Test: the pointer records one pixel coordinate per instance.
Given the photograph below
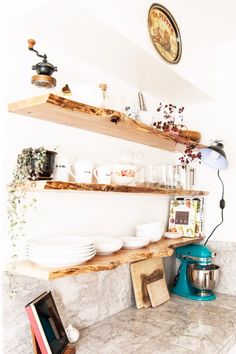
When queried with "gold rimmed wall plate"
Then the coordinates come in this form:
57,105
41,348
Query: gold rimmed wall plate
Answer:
164,33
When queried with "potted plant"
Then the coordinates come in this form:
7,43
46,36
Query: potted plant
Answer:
32,164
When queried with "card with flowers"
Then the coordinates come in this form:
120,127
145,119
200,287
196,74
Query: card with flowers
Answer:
182,217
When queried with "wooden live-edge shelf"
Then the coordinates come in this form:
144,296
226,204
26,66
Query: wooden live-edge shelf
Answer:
62,110
69,186
163,248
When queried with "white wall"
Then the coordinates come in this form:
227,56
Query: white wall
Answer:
69,213
112,214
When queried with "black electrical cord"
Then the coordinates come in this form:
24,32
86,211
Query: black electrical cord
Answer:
222,206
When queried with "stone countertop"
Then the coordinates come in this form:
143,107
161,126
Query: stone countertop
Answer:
178,326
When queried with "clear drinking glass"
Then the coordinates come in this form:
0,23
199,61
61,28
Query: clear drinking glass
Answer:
179,177
151,175
166,176
127,157
140,177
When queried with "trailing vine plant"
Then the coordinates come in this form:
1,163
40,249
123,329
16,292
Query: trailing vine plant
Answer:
29,165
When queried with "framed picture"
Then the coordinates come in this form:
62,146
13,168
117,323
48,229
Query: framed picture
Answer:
182,217
199,219
46,324
164,33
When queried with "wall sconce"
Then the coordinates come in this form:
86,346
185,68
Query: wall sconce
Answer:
215,157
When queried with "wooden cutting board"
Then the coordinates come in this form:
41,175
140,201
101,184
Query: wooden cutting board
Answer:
149,283
158,292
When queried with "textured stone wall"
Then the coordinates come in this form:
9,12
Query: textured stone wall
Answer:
81,300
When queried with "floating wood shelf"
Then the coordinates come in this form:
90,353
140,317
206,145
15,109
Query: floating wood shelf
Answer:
163,248
61,110
68,186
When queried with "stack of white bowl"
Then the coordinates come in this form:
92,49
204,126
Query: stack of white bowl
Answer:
61,251
152,231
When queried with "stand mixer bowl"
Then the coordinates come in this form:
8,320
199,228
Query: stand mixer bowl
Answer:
203,278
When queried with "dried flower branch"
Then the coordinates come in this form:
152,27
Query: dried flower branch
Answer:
190,155
170,113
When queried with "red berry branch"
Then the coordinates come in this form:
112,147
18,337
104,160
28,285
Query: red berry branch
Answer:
168,123
171,113
190,155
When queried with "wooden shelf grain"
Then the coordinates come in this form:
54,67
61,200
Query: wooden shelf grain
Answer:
163,248
69,186
62,110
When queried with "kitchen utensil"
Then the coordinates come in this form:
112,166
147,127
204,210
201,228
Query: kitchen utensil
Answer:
204,279
158,292
61,169
152,230
44,69
142,105
196,276
132,243
172,234
103,174
60,262
107,245
83,171
123,174
143,273
60,242
60,251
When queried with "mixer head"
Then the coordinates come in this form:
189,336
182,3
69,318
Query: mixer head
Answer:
195,253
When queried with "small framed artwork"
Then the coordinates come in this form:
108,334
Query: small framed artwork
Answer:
182,217
164,33
199,219
49,335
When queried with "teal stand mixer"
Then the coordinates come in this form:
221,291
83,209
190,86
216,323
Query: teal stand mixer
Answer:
197,276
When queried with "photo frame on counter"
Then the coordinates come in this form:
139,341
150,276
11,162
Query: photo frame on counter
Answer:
182,217
199,218
49,335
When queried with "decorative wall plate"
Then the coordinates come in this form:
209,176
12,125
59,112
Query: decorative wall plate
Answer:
164,33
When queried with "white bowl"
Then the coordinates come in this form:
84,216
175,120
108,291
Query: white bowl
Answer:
123,174
132,243
151,237
172,235
107,245
152,230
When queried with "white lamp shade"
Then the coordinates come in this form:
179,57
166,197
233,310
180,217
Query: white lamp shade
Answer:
214,156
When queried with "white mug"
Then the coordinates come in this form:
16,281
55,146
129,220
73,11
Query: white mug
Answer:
61,168
103,174
83,171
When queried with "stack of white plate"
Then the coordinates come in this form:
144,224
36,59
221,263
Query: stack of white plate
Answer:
61,251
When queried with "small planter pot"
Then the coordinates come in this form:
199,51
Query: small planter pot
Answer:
47,167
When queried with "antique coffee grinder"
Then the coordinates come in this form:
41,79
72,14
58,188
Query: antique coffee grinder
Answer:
197,276
44,70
